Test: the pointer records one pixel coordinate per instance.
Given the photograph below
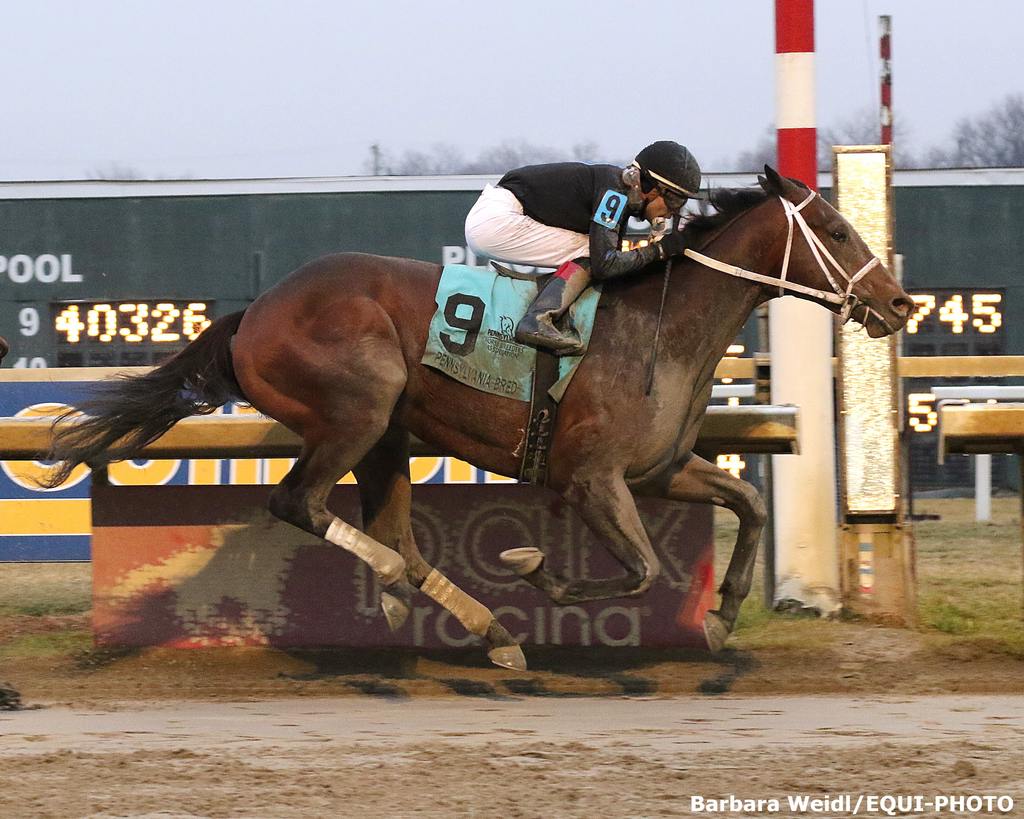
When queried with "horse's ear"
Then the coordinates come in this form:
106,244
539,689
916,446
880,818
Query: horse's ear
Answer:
764,184
772,183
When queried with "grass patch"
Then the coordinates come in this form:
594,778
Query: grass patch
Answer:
969,583
39,589
943,616
969,575
43,608
51,644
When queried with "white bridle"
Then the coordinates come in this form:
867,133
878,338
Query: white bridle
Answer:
846,297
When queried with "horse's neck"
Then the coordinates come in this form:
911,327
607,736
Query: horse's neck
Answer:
712,307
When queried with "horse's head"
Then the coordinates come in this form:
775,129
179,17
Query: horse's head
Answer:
827,254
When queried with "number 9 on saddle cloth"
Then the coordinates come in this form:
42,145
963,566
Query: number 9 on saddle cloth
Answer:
472,334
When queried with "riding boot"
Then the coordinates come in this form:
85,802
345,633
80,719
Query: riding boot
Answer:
538,327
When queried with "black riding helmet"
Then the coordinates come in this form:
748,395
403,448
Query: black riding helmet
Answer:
671,167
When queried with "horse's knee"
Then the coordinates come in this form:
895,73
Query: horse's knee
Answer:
758,508
750,506
287,505
651,570
279,503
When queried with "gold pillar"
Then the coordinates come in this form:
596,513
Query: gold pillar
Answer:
877,566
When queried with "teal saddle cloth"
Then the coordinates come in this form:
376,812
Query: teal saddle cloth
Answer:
472,333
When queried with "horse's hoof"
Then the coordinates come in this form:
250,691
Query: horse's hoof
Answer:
395,609
508,657
523,561
716,632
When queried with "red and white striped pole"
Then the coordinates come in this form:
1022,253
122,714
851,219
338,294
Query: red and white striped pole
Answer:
885,52
800,336
794,90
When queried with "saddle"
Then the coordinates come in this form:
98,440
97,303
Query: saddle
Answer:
508,272
471,339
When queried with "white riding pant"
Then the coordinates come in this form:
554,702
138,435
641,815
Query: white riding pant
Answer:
497,228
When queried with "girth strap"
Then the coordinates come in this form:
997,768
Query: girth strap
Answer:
541,426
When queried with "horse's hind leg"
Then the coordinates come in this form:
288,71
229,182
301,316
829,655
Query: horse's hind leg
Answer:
607,507
386,493
301,499
699,481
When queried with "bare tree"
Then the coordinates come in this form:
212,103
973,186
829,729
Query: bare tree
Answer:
446,159
514,155
860,128
588,152
441,159
754,159
993,140
115,171
863,128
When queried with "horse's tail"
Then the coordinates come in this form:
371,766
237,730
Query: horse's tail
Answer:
125,414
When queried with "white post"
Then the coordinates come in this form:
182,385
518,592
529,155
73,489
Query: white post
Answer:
983,488
806,545
800,337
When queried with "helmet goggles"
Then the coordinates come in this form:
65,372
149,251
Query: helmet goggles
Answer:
673,201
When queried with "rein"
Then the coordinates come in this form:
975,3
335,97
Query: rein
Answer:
846,297
657,329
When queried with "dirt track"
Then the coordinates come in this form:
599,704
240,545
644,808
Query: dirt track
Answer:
838,658
795,706
500,756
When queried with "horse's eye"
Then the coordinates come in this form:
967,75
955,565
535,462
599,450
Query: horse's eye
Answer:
839,235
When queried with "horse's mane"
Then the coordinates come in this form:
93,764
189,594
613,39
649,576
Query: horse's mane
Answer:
728,204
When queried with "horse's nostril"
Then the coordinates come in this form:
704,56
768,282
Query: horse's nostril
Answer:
903,306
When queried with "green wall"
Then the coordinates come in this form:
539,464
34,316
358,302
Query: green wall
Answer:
230,247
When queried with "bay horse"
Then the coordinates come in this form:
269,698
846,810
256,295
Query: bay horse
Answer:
333,352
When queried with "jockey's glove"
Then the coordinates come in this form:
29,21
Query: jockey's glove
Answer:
673,245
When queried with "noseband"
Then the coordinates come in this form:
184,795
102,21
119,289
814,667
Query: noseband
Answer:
842,296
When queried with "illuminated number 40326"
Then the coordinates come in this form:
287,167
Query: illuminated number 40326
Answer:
132,322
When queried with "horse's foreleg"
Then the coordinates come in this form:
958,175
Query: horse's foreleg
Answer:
386,493
607,507
698,481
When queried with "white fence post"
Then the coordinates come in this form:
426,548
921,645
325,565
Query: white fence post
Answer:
983,488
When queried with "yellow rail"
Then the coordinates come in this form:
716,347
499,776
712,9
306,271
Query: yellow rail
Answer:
981,428
947,366
726,429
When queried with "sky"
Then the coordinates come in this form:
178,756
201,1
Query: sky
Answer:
226,89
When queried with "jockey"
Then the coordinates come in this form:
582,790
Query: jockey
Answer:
572,216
